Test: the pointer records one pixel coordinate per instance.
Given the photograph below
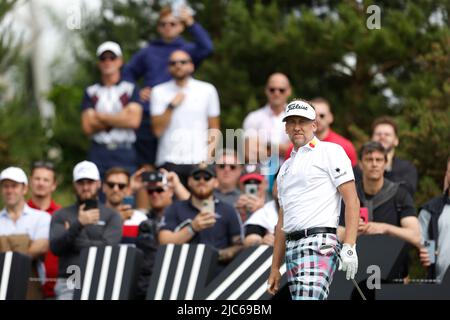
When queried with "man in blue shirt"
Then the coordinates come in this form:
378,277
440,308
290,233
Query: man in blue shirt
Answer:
151,64
203,219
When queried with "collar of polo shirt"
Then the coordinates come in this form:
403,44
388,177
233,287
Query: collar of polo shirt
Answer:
311,145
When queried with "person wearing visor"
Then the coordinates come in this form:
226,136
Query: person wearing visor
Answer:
311,185
202,218
111,111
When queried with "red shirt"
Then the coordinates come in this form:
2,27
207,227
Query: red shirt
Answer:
51,261
338,139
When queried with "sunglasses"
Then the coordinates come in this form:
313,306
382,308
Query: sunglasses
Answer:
43,164
157,190
173,63
111,185
163,24
199,176
107,57
223,166
281,90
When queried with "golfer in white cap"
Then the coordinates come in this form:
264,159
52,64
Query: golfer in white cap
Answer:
311,185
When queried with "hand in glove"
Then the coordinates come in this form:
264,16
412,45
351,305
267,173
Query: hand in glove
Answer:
348,260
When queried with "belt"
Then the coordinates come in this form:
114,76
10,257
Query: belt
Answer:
297,235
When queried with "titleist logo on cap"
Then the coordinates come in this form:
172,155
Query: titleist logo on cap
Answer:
297,106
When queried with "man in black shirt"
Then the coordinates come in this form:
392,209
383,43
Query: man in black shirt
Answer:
385,131
390,207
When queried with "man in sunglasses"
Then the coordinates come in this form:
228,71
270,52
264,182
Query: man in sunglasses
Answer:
266,122
228,172
324,132
85,224
151,61
185,117
111,110
203,219
161,190
117,188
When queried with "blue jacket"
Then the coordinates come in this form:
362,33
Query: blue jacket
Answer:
151,61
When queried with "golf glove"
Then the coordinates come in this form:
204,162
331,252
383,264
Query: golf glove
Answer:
348,260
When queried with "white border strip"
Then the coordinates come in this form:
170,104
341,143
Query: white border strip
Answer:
89,273
164,271
195,271
104,273
263,289
119,272
251,280
5,275
236,273
179,272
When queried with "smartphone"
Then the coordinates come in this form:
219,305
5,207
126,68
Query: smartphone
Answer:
128,200
251,189
431,248
208,206
364,214
90,204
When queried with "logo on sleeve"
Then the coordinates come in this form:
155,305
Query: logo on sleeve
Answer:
338,173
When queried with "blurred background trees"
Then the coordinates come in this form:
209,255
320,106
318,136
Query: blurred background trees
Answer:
325,47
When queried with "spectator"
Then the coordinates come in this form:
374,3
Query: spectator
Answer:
111,112
253,191
390,207
22,228
385,131
160,196
434,217
266,122
260,227
151,63
325,133
85,224
228,170
183,110
203,219
116,188
43,184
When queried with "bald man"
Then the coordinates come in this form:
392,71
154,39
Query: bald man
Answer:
266,123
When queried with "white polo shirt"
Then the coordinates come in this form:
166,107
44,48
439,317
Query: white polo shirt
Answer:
307,185
34,223
266,217
185,140
265,124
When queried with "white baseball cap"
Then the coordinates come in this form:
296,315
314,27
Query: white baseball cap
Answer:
299,108
109,46
15,174
86,170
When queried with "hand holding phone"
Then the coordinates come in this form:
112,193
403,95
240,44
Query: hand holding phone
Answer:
364,214
430,245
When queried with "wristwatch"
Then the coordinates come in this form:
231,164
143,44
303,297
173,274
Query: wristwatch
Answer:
170,106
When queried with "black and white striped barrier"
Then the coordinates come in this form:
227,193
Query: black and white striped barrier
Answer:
187,272
109,273
15,269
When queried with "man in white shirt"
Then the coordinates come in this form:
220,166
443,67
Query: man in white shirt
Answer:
267,122
311,185
183,109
